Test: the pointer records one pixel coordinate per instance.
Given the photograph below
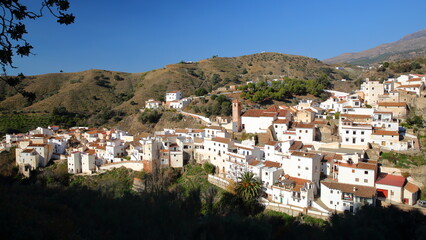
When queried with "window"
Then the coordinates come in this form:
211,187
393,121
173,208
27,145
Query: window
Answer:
365,172
331,191
266,173
354,132
306,168
306,131
362,139
362,132
391,193
353,170
356,179
331,202
365,180
298,167
347,131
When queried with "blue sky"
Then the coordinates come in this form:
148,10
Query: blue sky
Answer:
139,35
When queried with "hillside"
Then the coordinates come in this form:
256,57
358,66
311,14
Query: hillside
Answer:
410,46
93,91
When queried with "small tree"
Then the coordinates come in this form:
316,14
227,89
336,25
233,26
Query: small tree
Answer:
248,186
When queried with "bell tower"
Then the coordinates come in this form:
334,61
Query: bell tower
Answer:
236,115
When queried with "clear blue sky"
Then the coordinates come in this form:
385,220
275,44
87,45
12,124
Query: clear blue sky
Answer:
140,35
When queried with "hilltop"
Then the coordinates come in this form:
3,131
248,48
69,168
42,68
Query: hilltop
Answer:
410,46
98,92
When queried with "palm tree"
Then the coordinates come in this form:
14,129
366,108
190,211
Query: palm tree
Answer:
248,186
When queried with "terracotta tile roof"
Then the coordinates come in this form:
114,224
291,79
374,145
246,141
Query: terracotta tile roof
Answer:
269,114
281,121
272,143
283,113
174,91
303,125
38,135
320,122
391,180
409,86
360,165
296,146
272,108
253,113
28,150
222,140
304,154
90,151
414,80
387,133
254,162
411,187
214,128
392,104
360,191
198,140
271,164
37,145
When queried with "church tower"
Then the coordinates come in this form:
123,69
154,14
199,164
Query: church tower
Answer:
236,116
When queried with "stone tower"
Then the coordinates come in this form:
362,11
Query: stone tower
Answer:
236,116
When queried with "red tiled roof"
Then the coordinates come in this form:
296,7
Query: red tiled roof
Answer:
222,140
272,164
411,187
296,145
281,121
387,133
303,125
357,190
408,86
391,180
253,113
304,154
272,143
392,104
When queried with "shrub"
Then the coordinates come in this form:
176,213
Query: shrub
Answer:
150,116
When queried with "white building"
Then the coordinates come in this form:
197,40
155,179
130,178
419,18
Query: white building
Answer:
173,96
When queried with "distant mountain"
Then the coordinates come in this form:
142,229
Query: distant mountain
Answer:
410,46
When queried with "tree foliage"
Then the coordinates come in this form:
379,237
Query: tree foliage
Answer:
248,186
150,116
13,35
280,90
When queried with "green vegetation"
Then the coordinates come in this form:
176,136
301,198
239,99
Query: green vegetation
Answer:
150,116
20,122
172,205
413,122
218,105
115,183
286,89
403,160
201,92
248,187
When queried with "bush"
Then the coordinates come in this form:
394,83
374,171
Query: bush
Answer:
150,116
201,92
209,168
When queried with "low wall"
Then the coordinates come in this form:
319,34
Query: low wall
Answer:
134,165
217,181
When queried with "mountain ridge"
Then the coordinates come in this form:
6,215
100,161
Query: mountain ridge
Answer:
410,46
